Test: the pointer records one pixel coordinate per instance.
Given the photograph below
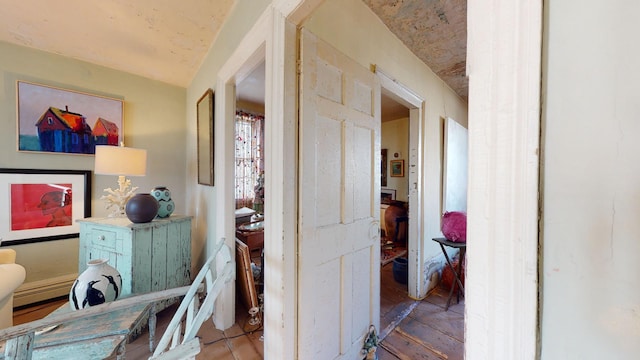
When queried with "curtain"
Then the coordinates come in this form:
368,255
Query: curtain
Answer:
249,172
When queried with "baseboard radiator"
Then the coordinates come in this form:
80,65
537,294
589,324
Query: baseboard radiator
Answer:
432,271
36,291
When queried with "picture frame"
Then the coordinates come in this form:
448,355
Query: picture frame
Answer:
387,195
204,112
244,274
397,168
383,167
42,205
63,121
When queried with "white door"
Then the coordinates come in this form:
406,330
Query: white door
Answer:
339,245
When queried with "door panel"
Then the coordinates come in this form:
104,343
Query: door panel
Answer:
329,137
362,172
339,244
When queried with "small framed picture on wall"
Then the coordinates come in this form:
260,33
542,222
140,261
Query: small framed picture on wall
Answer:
397,168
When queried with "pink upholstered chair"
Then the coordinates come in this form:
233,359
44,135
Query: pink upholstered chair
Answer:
12,275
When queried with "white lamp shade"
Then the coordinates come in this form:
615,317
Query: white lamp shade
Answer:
120,160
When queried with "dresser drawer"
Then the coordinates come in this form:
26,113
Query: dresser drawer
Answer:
103,239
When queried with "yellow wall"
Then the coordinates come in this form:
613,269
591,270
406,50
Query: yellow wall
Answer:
395,138
250,107
154,119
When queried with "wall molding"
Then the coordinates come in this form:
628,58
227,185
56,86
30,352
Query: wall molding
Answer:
36,291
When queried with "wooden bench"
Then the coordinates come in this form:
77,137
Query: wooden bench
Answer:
121,317
102,335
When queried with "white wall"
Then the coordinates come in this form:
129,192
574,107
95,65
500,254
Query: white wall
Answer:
591,180
202,199
455,163
153,120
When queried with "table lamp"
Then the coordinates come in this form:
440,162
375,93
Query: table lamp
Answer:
121,161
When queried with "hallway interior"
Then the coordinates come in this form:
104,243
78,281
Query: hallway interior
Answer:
411,329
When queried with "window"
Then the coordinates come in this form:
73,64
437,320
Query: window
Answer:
249,165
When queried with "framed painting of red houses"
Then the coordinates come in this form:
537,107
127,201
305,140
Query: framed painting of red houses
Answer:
41,205
55,120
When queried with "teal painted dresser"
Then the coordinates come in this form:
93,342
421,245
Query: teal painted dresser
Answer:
150,256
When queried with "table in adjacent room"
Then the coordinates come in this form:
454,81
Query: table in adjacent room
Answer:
457,273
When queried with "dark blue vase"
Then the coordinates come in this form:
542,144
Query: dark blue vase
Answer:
141,208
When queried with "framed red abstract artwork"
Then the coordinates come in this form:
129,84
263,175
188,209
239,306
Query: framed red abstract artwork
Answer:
41,205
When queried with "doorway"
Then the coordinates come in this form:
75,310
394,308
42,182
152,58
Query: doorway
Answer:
394,213
401,111
233,78
398,100
249,199
526,25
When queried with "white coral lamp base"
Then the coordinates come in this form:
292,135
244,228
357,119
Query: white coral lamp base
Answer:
117,199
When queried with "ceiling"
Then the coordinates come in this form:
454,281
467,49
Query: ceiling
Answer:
167,41
435,31
157,39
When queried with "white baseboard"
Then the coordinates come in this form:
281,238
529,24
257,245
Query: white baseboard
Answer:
35,291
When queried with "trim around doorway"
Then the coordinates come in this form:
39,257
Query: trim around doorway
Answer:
405,96
504,69
272,39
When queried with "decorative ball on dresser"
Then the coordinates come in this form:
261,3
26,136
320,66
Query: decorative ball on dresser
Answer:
142,208
98,284
163,195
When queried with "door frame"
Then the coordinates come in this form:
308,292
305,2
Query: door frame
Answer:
501,35
250,53
504,68
272,39
415,247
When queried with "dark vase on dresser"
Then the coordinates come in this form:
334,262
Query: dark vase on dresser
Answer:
396,220
142,208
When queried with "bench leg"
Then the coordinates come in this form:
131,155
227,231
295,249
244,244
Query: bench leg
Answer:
20,347
152,327
122,348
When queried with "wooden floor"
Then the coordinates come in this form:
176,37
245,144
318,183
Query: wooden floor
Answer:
410,329
418,329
